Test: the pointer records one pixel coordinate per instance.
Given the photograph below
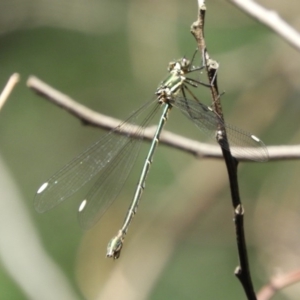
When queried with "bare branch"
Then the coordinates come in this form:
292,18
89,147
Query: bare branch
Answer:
12,81
243,270
168,138
271,19
278,283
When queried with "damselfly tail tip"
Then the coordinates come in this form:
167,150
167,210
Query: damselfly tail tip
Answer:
115,245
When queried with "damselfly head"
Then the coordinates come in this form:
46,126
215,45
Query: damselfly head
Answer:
184,64
181,65
171,66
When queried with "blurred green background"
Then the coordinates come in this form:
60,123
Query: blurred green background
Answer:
110,56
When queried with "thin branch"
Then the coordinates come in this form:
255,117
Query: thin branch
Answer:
243,270
271,19
200,150
12,81
278,283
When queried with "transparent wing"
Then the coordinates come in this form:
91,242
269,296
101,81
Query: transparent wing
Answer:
111,180
84,167
239,140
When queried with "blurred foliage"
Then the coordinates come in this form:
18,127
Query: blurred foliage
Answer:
110,56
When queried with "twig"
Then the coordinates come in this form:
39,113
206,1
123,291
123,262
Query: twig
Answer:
277,283
271,19
243,270
12,81
200,150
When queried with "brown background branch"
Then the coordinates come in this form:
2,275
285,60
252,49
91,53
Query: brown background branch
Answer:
196,148
271,19
10,85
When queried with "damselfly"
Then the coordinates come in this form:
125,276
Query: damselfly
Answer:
113,156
